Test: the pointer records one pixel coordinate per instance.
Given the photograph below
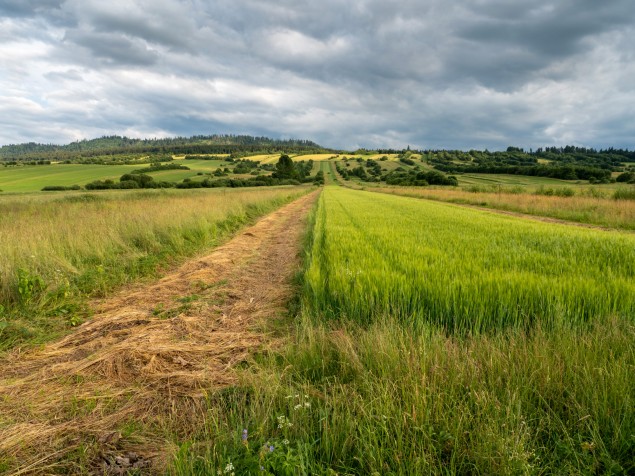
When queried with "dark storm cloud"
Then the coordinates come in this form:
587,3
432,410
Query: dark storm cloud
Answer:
470,73
25,8
119,50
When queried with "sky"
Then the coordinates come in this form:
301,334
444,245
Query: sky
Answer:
464,74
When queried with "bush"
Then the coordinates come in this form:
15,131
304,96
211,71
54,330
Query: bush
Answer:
59,188
626,177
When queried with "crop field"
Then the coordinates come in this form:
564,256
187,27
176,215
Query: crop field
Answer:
523,181
591,206
33,178
440,340
462,269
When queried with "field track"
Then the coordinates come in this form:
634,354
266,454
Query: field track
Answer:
148,354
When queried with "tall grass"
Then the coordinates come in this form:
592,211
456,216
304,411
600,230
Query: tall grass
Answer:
382,400
55,251
583,208
464,270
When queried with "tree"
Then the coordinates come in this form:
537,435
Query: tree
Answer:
285,168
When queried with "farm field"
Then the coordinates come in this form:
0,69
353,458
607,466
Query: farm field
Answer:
466,270
423,338
33,178
20,179
601,210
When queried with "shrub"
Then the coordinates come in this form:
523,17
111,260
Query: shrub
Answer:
59,188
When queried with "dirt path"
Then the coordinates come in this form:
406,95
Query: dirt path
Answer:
149,356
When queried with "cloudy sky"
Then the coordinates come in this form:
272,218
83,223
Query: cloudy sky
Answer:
345,73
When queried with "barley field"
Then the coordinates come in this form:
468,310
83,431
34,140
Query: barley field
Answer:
377,255
592,206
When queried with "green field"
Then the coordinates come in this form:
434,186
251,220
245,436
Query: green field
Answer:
460,269
424,337
33,178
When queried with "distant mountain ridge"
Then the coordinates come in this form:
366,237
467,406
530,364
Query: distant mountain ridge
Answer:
115,144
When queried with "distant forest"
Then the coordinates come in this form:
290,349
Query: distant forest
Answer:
114,145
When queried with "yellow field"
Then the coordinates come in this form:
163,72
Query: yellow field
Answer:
182,156
264,158
392,157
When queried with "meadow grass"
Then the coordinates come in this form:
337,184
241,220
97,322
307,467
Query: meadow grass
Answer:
382,400
367,394
57,250
595,207
528,181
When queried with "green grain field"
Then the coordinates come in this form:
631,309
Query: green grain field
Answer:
378,256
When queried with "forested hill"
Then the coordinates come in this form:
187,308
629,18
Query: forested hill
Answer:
568,163
217,143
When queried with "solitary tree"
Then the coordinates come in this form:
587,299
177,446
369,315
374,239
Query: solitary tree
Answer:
285,168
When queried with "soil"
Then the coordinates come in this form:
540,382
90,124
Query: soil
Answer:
150,355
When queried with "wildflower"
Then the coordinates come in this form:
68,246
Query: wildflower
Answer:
245,435
283,422
307,405
271,448
229,467
285,442
298,406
